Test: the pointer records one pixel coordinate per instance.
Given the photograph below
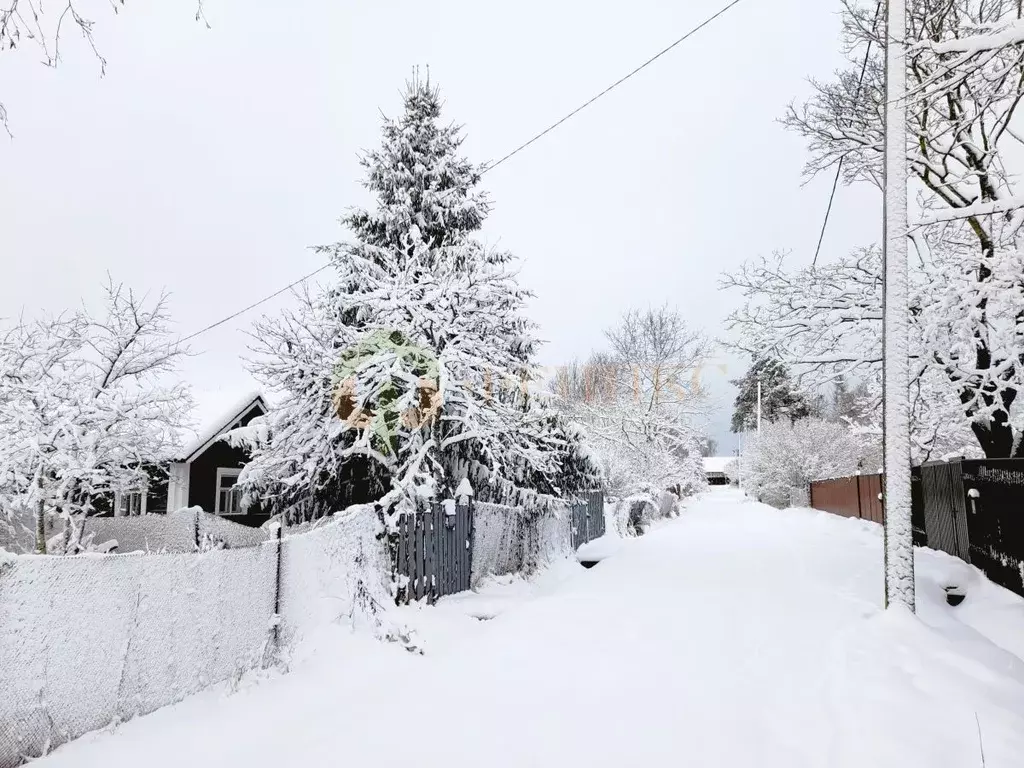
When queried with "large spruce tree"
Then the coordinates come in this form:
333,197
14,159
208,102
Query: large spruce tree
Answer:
417,360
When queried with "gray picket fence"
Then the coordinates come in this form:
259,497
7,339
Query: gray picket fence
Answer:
588,519
435,551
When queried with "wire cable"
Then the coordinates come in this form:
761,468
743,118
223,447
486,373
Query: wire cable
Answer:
616,84
839,165
255,304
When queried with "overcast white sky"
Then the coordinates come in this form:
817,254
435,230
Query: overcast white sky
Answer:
207,160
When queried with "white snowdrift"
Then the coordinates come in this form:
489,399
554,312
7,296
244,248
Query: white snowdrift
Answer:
599,549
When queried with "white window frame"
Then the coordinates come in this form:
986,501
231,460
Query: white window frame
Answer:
119,496
223,472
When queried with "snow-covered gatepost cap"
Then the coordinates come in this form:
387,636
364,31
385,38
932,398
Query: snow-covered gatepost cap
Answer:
464,492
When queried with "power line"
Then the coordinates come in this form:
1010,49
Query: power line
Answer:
839,165
255,304
514,152
614,85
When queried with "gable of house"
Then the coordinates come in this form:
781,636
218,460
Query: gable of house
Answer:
214,471
208,468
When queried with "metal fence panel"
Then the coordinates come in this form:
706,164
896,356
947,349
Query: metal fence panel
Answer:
945,508
995,519
434,551
839,495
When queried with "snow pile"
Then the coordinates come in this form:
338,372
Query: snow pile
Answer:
173,532
89,640
599,549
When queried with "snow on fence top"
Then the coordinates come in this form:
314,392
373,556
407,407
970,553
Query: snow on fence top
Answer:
173,532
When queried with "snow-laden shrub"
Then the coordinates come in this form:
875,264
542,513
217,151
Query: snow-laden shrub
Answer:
787,456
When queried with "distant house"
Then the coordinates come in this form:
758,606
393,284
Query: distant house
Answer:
204,474
719,469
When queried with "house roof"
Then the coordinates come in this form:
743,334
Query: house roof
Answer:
215,415
718,463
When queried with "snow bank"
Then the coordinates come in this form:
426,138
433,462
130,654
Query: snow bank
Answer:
599,549
734,635
90,640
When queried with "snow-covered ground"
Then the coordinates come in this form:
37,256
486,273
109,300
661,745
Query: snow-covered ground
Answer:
736,635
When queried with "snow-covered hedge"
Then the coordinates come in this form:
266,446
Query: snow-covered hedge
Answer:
89,640
631,516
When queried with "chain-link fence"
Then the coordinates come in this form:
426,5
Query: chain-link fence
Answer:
86,641
90,640
520,540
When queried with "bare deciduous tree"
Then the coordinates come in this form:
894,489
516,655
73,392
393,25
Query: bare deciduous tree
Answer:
641,402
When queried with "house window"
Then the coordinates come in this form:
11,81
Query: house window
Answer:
129,503
229,495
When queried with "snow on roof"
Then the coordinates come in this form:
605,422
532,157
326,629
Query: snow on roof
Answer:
718,463
213,413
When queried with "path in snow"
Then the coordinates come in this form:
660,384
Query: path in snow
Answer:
736,635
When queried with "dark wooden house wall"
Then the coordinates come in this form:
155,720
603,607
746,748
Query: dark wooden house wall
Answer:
202,482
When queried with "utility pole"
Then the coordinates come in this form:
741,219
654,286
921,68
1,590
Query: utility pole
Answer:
758,407
739,479
899,544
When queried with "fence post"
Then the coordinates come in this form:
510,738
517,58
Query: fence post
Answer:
277,592
860,512
471,504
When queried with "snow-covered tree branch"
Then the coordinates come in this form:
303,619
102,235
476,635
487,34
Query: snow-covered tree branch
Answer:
640,404
43,28
825,322
85,408
967,281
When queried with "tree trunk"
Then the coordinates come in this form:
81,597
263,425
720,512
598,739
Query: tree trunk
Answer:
997,440
40,520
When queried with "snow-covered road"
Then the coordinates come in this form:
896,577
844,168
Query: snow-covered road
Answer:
737,635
